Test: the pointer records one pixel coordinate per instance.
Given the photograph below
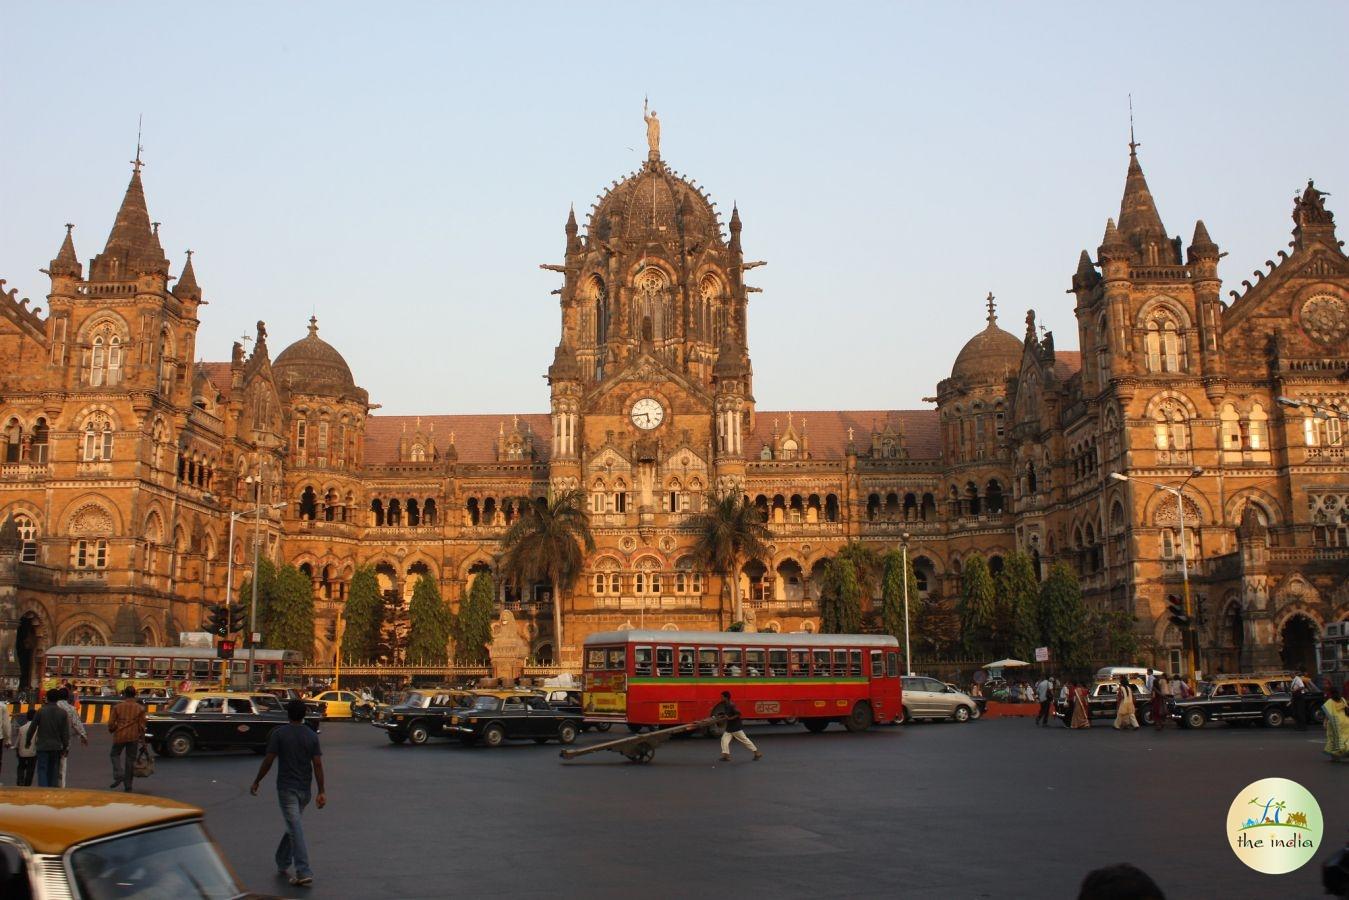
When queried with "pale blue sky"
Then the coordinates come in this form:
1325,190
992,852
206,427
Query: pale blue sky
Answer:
403,168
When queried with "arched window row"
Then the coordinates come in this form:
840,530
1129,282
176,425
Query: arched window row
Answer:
647,578
196,469
490,512
909,507
25,446
971,501
1084,459
978,432
396,511
1328,426
104,356
1164,344
608,497
680,497
329,581
798,509
1088,548
1248,432
324,439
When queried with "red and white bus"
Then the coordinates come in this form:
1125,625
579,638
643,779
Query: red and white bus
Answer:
661,678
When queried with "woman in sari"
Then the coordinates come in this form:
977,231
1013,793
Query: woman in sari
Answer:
1337,725
1081,719
1125,716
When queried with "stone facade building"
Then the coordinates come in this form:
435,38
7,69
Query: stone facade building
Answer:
123,461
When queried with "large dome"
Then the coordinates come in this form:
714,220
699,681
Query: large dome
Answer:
990,356
654,204
313,366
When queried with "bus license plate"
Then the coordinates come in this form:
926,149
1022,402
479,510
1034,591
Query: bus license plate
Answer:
669,711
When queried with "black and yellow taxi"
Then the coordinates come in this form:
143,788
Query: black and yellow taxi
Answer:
494,717
222,720
90,844
1265,698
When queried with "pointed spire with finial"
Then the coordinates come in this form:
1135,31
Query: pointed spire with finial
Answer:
133,247
1201,245
313,326
66,262
1139,222
573,242
735,226
186,286
992,311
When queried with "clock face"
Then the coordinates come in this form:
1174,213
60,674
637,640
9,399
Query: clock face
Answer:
647,413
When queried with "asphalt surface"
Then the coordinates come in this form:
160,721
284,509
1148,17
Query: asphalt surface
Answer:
987,809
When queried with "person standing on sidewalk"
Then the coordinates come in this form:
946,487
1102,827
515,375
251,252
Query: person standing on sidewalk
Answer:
6,729
1160,713
50,737
1125,714
27,755
297,747
127,724
1299,691
735,728
1044,692
75,725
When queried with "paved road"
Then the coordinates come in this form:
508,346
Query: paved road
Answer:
989,809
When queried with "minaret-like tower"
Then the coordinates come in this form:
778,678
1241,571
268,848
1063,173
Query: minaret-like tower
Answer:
564,381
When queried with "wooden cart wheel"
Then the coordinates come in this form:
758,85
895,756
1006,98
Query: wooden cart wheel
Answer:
642,753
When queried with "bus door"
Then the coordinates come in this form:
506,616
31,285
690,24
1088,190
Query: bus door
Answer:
605,694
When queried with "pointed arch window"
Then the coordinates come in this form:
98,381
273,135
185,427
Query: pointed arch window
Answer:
1258,428
1231,427
27,538
98,362
98,440
1165,352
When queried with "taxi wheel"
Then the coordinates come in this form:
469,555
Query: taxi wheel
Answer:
1194,718
180,743
494,736
419,734
861,717
1273,718
962,714
566,732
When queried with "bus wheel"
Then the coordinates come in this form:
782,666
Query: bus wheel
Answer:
815,726
861,717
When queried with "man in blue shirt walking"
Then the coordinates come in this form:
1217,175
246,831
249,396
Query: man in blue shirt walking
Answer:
296,746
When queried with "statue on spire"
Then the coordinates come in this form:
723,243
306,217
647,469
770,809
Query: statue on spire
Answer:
652,130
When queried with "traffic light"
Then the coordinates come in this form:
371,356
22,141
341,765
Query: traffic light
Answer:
224,649
1175,608
238,617
218,622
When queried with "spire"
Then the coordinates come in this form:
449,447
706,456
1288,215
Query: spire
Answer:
1139,222
992,311
564,367
735,227
573,242
1201,245
66,262
1030,326
133,247
186,286
313,326
571,219
1112,236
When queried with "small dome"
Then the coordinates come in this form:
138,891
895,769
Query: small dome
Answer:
313,366
990,356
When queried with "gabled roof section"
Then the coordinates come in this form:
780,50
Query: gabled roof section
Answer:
646,367
830,430
474,437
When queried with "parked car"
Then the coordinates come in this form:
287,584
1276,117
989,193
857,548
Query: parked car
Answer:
1101,700
981,702
1250,698
422,715
569,700
70,843
494,717
286,694
928,698
217,719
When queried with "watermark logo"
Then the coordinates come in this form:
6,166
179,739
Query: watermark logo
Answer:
1274,825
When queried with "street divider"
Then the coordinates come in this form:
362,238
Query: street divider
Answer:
96,710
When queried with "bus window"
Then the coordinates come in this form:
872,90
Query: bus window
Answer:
877,664
855,663
730,663
892,665
618,659
707,662
102,665
820,663
664,660
800,662
121,666
201,669
594,660
642,657
180,668
141,666
53,665
840,663
239,666
754,663
83,664
685,662
160,668
777,663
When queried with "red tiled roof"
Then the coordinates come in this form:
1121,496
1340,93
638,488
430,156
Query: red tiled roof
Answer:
827,430
475,436
218,373
1067,363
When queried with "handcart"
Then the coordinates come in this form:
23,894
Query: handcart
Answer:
641,748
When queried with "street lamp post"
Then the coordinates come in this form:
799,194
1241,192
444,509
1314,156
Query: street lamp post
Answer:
253,605
904,551
1191,634
229,570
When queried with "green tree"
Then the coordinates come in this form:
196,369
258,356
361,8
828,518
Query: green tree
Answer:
545,544
285,608
840,598
1114,635
978,604
266,591
867,563
362,616
729,532
473,625
429,624
1063,618
892,595
1020,591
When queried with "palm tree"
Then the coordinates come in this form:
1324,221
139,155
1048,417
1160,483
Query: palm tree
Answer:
729,530
545,544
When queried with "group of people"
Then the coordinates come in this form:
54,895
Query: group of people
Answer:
1074,697
41,738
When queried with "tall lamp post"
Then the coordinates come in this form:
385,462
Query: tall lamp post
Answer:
904,552
1191,634
229,569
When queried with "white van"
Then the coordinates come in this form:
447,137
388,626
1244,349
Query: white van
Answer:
1112,673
